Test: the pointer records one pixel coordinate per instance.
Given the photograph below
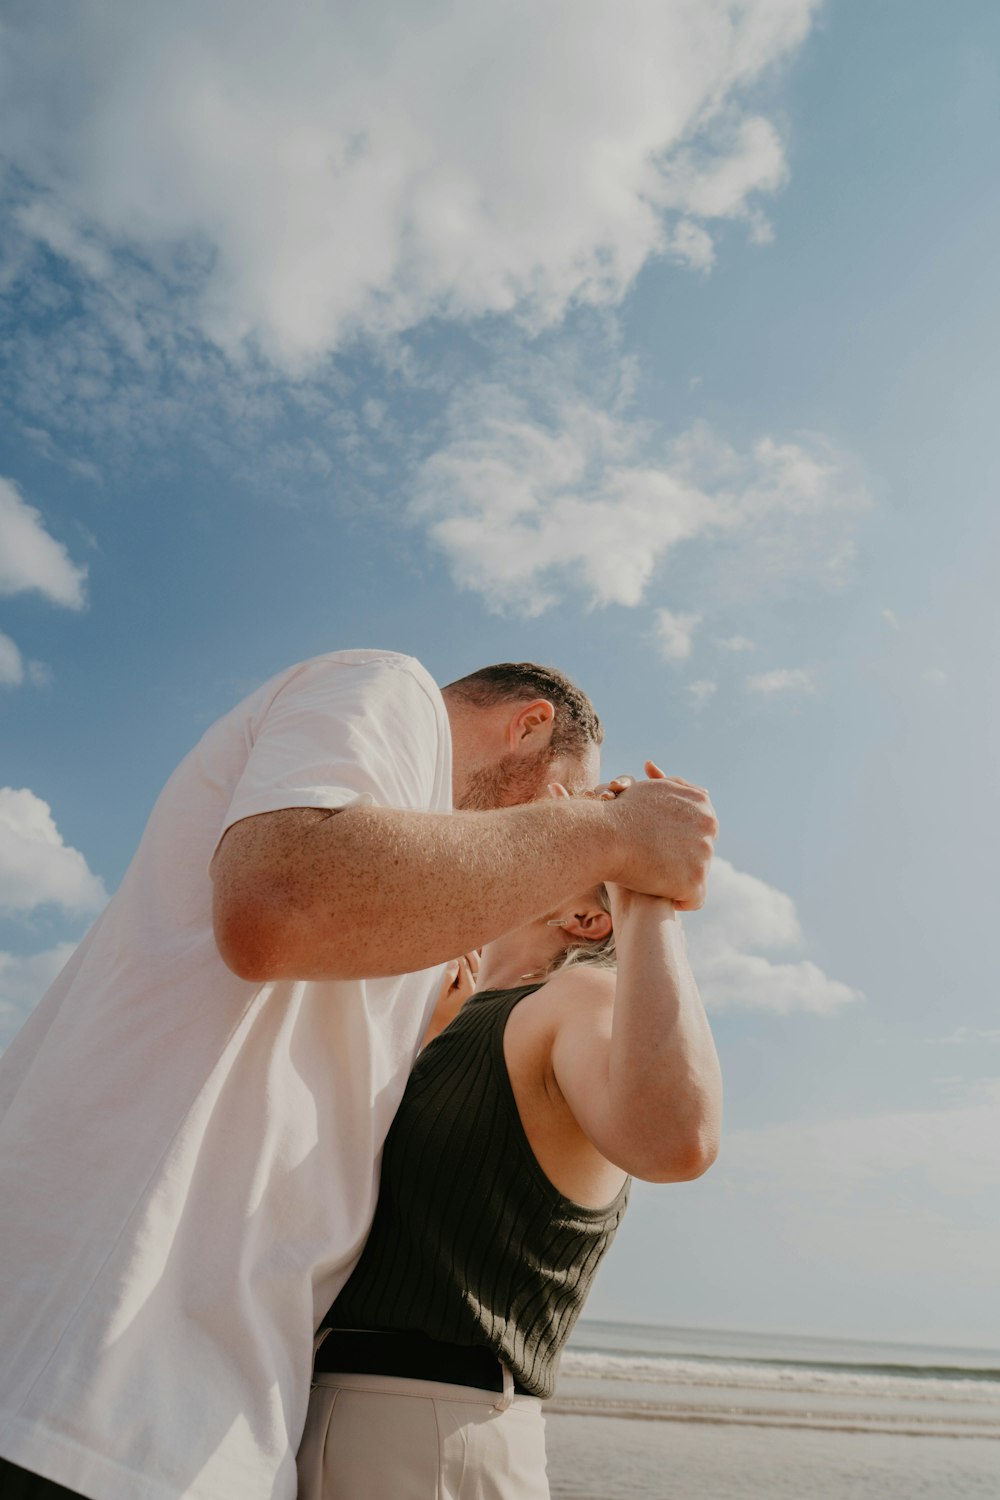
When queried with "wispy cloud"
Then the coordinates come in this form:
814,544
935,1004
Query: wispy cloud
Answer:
674,633
781,680
883,1223
32,559
527,505
952,1150
51,450
702,690
14,669
11,663
963,1035
378,176
743,921
881,1210
36,867
753,162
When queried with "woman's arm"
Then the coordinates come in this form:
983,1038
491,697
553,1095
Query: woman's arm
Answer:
645,1090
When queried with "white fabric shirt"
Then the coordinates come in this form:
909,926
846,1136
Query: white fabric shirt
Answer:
188,1161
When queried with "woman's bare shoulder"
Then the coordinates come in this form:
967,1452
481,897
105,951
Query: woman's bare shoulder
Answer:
581,984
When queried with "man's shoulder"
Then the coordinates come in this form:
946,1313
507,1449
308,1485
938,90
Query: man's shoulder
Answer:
372,664
356,670
333,680
367,657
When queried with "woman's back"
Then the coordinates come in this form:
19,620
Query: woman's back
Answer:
480,1258
471,1243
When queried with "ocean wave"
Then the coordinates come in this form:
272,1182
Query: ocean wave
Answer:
906,1383
889,1424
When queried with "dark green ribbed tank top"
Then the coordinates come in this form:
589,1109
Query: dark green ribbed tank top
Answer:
471,1243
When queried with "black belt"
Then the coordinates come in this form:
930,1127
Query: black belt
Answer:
414,1356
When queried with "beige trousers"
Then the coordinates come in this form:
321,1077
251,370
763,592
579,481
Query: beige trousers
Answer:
379,1437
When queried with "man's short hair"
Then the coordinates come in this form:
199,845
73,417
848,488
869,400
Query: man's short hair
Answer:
576,726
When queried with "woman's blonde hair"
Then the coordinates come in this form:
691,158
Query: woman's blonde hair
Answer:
601,952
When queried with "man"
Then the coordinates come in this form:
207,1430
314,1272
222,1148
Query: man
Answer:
191,1121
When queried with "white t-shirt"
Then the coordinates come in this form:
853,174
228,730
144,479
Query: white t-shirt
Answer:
188,1161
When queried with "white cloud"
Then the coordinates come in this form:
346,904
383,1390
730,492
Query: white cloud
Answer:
964,1034
11,663
31,559
742,916
952,1150
888,1218
14,669
781,680
723,189
674,633
749,982
42,220
23,982
737,643
49,449
514,505
884,1225
891,619
743,911
303,173
526,503
936,676
702,690
796,506
36,867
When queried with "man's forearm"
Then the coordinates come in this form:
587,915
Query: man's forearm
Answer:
368,891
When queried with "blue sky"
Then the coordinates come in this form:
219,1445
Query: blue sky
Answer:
656,342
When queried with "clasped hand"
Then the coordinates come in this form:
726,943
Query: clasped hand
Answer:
666,829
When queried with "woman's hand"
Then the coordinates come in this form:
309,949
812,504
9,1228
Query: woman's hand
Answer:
457,986
608,790
459,982
626,904
622,900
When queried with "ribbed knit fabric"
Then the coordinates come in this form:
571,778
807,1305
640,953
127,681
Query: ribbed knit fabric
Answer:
471,1243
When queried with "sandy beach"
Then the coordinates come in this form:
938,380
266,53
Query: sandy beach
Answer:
775,1418
605,1458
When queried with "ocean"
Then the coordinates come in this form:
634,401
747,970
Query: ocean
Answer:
663,1413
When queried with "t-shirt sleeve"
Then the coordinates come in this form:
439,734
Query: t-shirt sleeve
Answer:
339,734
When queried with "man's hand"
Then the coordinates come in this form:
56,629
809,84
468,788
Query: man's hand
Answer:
666,827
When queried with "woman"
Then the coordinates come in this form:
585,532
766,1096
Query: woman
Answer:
504,1178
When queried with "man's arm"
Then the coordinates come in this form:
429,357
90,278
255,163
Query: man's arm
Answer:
308,894
640,1075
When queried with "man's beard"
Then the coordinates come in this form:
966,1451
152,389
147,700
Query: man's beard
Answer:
507,783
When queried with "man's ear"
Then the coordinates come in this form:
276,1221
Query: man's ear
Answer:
531,726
